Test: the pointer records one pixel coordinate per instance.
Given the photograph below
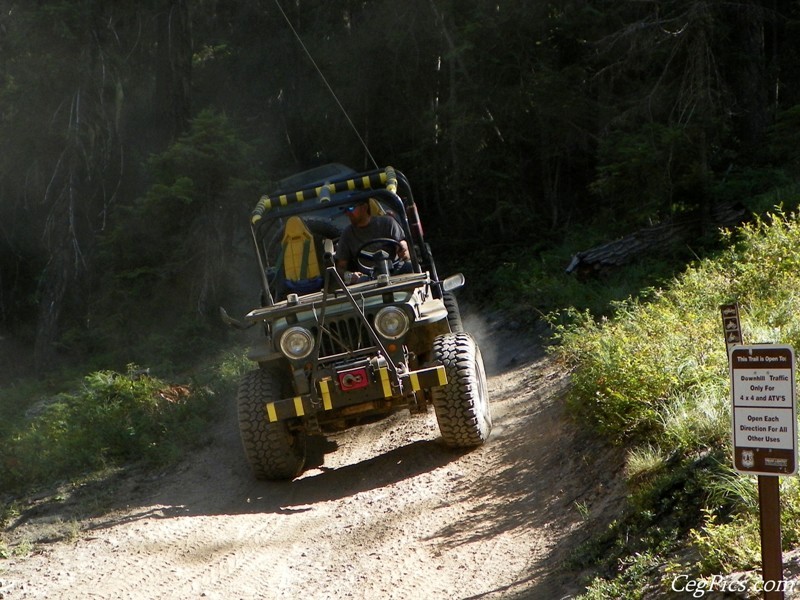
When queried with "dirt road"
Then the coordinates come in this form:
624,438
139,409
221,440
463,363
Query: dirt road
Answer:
384,511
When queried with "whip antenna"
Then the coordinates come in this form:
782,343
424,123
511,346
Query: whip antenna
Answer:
325,81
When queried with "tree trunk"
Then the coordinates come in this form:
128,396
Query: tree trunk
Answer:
173,69
749,74
55,281
62,268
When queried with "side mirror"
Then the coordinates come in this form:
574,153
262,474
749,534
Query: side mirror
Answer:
453,282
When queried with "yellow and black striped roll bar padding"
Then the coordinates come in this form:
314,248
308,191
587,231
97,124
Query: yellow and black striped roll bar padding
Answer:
300,406
386,178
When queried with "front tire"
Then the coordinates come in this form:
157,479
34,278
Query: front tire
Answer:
453,312
462,404
273,451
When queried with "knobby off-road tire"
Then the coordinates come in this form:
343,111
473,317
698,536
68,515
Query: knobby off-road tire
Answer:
272,450
462,405
453,312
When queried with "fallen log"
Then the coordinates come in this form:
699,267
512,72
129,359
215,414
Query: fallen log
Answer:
658,238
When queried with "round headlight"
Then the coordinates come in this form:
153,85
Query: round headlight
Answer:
297,342
391,322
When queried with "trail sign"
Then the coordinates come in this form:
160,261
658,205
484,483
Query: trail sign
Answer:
764,414
731,325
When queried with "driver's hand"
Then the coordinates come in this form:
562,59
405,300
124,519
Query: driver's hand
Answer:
402,251
351,277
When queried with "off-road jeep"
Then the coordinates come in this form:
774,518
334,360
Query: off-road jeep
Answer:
335,355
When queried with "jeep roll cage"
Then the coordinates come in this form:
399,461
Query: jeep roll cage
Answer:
326,192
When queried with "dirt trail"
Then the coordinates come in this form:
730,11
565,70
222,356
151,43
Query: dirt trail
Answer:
390,513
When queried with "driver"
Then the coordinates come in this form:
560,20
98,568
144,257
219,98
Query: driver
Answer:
363,228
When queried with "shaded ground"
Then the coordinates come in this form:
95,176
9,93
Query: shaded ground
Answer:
387,512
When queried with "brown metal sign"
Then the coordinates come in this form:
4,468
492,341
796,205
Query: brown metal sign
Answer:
764,415
731,325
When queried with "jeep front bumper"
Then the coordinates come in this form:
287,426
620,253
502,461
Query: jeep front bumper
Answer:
352,387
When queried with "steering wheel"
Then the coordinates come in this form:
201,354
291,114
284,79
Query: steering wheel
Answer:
367,260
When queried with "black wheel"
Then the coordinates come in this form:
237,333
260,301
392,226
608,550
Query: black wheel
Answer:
462,405
453,312
274,452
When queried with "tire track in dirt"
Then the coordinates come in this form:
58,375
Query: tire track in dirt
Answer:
384,511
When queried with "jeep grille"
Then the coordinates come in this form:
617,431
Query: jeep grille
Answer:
343,336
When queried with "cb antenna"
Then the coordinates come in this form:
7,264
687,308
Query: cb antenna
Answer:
325,81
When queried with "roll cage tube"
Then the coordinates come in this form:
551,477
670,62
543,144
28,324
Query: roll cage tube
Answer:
292,203
366,181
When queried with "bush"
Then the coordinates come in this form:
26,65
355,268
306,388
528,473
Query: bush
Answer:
636,373
113,419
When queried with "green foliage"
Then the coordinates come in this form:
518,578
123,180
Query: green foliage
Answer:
629,585
760,188
727,546
734,544
232,365
633,369
204,166
531,284
783,138
654,377
171,259
181,229
630,367
648,169
16,399
112,419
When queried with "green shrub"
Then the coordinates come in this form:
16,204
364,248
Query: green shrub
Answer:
731,544
632,371
232,365
529,285
113,419
628,370
635,570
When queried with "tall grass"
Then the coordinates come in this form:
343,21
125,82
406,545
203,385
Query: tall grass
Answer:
654,378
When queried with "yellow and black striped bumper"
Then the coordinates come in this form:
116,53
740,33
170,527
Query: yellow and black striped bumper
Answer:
331,397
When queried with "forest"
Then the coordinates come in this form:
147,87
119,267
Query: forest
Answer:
136,137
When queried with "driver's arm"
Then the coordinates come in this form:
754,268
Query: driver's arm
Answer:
347,276
396,233
343,258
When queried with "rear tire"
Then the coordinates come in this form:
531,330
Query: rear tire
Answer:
273,451
462,404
